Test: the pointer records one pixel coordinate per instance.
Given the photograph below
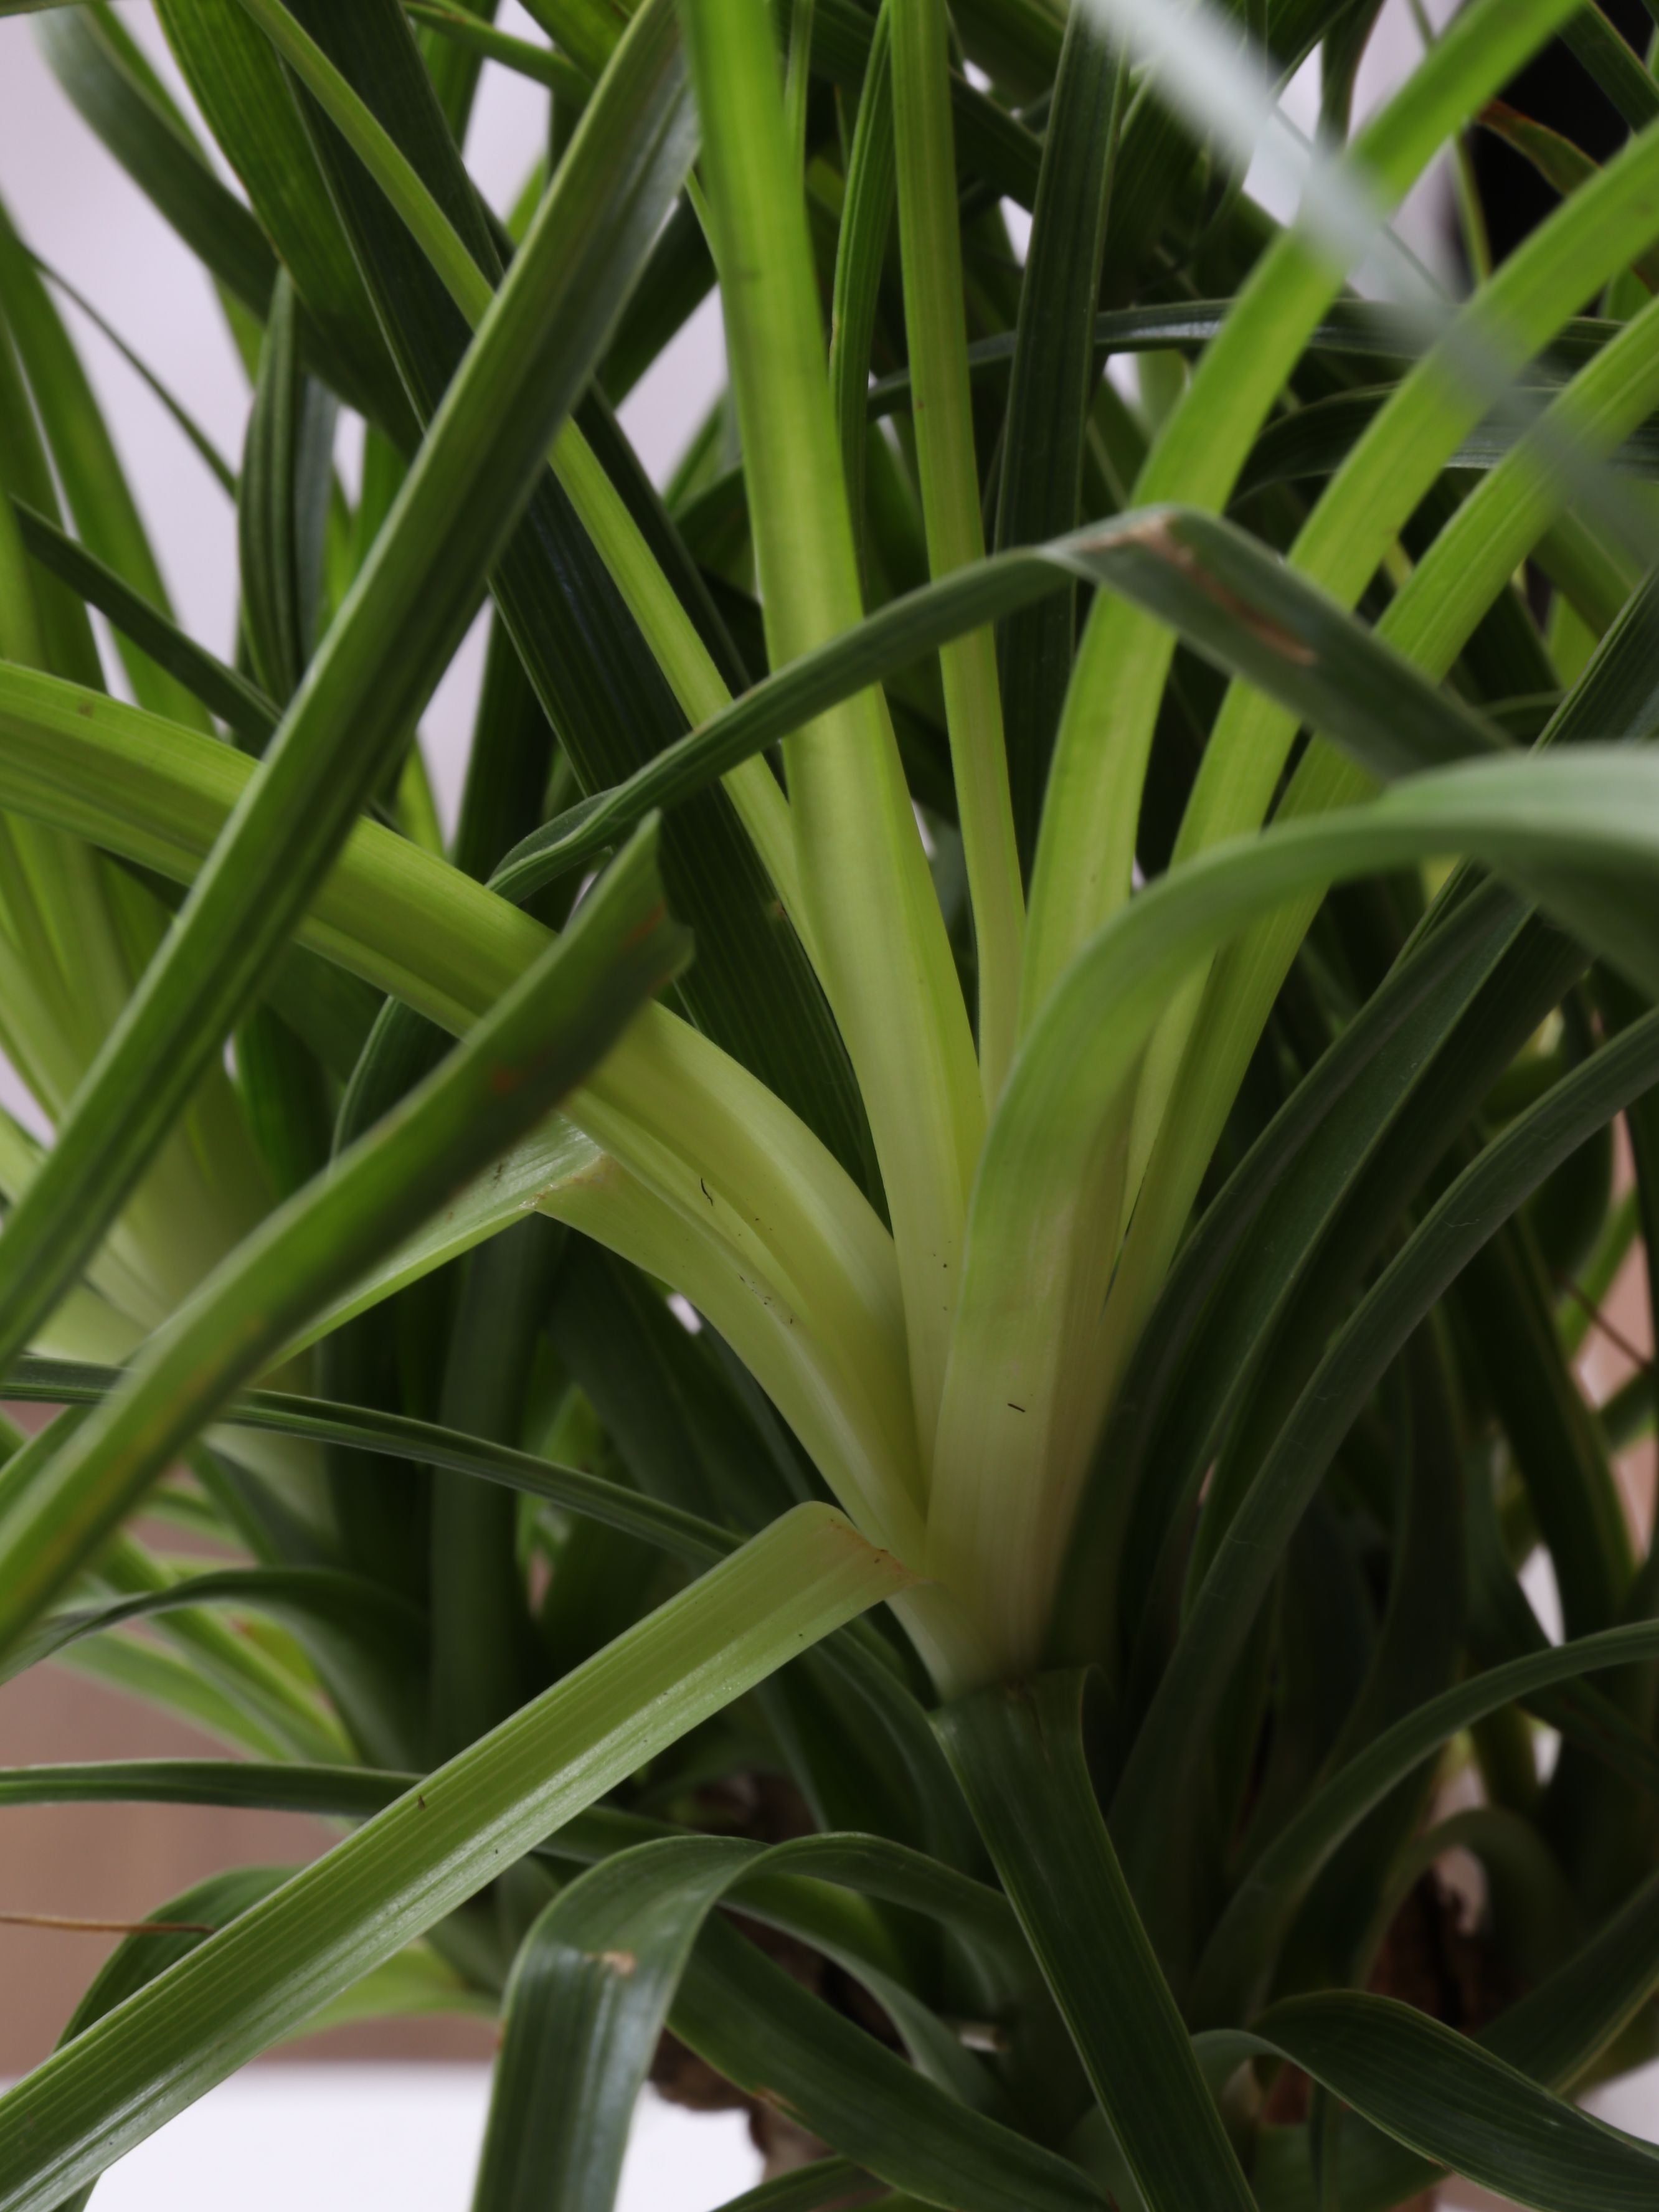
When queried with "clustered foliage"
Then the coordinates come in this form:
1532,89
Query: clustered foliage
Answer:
926,1287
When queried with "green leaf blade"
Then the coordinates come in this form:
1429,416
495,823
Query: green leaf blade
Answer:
280,1962
455,510
541,1037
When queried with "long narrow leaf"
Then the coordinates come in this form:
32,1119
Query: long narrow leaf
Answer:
1469,1213
1084,859
543,1036
879,937
1450,2100
1018,1390
1551,2035
777,1884
751,1195
457,506
590,583
590,1992
764,2031
370,1647
1231,600
1361,330
366,1428
1048,392
274,1967
935,328
237,702
1021,1758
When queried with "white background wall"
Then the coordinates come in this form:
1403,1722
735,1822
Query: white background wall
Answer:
357,2136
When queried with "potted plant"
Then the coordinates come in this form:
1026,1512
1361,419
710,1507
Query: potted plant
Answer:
915,1308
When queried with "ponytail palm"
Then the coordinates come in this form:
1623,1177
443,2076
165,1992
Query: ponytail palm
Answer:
972,1185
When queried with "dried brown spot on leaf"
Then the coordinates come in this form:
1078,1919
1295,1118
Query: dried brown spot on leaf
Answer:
1157,535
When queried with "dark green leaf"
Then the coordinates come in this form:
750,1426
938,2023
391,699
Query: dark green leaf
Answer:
1252,1235
121,99
237,702
829,2182
370,1649
361,1428
217,466
1317,439
1451,2101
84,458
590,1990
245,96
506,764
1553,2034
594,1981
483,1664
1234,602
764,2031
1020,1756
1230,1976
1049,388
282,506
1361,330
270,1970
458,504
474,36
540,1038
608,702
1613,64
1466,1217
861,257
